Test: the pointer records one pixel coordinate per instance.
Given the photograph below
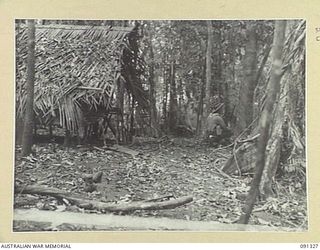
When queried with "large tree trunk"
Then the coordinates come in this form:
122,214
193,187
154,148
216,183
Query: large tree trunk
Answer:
258,92
206,101
224,87
274,146
245,107
284,127
29,117
266,118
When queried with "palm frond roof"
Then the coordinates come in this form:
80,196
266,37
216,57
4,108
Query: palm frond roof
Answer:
81,63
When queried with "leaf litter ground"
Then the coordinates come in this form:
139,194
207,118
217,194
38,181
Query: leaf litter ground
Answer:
174,167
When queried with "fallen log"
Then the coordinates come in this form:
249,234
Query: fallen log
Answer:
113,222
104,206
122,149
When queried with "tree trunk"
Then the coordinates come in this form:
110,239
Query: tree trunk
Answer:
29,117
245,107
173,105
260,85
165,96
152,93
285,111
217,56
19,130
274,144
202,84
132,111
266,118
226,102
120,104
180,100
206,101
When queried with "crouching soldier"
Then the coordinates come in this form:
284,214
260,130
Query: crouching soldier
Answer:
216,130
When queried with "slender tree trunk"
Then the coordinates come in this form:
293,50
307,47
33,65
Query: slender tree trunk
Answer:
202,84
152,93
223,83
173,105
202,88
256,94
200,109
245,107
120,105
29,117
165,97
132,109
180,95
217,50
266,118
206,101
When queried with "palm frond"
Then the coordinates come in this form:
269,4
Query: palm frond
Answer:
74,65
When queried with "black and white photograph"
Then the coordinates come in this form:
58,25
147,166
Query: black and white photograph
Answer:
160,125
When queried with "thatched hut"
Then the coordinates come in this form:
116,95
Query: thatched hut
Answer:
81,73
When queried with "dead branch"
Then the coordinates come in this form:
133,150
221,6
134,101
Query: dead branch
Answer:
104,206
249,139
